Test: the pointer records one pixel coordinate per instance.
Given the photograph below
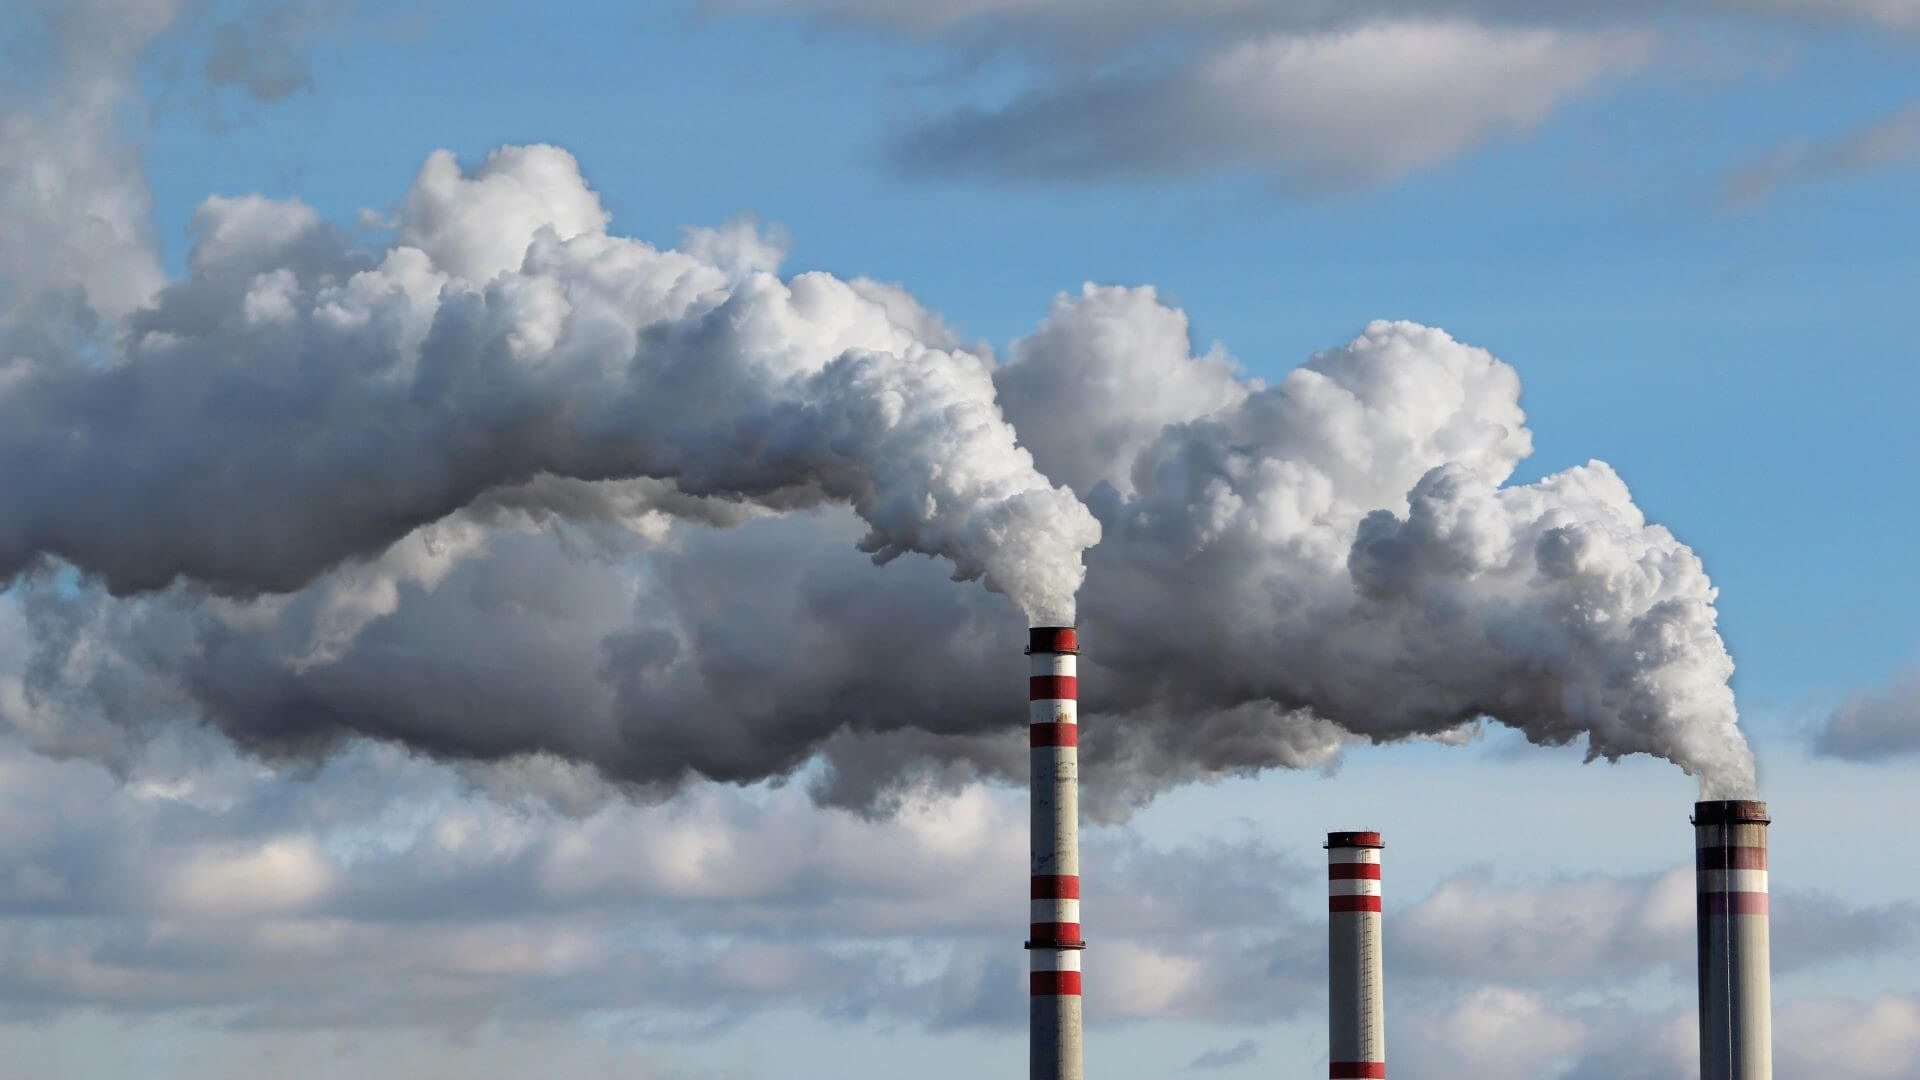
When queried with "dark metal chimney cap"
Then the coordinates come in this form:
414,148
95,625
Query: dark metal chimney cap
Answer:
1053,639
1355,840
1730,812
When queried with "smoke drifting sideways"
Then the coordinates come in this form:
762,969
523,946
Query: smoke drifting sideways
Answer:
507,337
1341,543
513,490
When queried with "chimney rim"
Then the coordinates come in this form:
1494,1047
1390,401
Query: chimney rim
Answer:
1063,640
1364,838
1730,812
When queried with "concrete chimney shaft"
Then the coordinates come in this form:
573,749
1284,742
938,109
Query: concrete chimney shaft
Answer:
1736,1008
1356,1031
1054,943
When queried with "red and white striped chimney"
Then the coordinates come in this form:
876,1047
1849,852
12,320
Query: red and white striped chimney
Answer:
1736,1008
1356,1032
1054,945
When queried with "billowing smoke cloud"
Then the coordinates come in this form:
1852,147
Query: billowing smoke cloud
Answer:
77,246
1341,542
512,488
298,402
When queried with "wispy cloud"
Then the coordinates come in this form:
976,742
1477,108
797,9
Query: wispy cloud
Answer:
1318,113
1240,1053
1892,14
1097,23
263,51
1601,929
1319,95
1876,724
1885,143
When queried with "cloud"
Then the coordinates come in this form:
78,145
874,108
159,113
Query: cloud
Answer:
660,635
1493,1033
1885,143
284,874
1318,113
1554,978
382,892
1875,725
1317,96
798,385
263,51
506,485
1255,515
79,246
80,253
1892,14
400,901
1102,347
1100,24
1598,929
1877,1039
83,1046
1244,1052
1623,1043
934,15
1499,1032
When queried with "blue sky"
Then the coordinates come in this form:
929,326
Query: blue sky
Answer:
1693,229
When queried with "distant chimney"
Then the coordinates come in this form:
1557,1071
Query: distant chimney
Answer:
1356,1032
1054,946
1736,1009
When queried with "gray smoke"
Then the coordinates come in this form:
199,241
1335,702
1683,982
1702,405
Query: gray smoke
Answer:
1341,542
509,487
76,249
298,401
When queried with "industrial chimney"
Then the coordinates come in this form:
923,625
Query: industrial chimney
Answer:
1730,870
1356,1033
1054,945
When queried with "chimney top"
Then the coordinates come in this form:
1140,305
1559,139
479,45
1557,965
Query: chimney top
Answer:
1730,812
1355,840
1053,639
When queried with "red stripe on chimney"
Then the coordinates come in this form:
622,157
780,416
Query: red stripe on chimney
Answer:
1054,933
1053,734
1056,886
1734,903
1053,688
1045,983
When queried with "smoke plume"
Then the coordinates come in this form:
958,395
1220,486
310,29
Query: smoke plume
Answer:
1342,543
506,486
298,402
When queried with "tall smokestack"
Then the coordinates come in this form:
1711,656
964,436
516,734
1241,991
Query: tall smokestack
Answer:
1356,1031
1055,944
1736,1009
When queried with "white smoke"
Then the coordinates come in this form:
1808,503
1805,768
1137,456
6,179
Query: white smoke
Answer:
1341,542
298,402
77,247
514,486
